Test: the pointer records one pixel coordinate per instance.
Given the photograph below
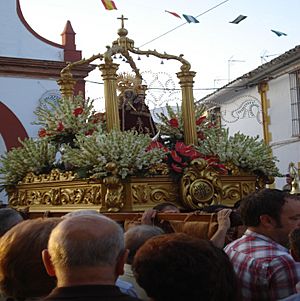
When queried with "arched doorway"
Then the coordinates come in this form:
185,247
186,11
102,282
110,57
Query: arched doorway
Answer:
11,129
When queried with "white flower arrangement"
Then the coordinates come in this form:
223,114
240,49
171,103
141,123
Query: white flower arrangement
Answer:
128,150
62,119
32,156
248,153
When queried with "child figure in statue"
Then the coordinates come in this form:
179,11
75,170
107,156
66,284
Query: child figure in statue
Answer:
133,111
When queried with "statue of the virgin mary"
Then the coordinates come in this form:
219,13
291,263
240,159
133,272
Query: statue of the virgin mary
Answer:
133,111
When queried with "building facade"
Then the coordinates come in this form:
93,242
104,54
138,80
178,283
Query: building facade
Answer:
265,102
29,68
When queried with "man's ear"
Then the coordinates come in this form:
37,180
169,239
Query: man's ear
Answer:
48,263
121,261
267,221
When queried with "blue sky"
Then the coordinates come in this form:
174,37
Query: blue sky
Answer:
208,45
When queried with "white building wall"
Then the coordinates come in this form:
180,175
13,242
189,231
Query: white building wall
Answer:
17,41
21,95
243,113
280,108
284,146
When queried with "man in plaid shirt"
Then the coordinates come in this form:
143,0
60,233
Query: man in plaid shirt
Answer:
263,265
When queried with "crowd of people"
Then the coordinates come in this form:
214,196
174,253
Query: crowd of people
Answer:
87,256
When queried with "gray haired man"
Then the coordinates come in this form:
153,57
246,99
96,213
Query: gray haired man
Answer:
87,254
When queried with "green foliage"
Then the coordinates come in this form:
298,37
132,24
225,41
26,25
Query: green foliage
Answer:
248,153
32,156
128,150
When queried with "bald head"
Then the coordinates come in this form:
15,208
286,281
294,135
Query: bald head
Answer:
86,241
81,212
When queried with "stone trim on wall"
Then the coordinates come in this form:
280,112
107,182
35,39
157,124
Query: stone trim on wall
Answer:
39,68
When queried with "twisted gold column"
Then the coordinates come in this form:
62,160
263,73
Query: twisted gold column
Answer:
188,109
109,75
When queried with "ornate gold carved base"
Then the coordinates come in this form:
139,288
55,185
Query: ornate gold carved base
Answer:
62,192
56,192
234,188
201,185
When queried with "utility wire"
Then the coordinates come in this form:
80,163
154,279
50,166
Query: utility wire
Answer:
178,89
212,8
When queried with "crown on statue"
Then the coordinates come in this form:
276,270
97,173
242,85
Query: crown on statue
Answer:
127,81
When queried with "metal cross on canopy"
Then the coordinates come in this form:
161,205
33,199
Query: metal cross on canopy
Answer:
122,20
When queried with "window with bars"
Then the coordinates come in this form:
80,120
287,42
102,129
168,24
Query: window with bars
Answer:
295,102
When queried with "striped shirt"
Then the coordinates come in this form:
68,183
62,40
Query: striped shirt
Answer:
265,269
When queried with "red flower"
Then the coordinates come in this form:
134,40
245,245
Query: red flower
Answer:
175,157
60,127
211,125
179,145
98,117
193,154
173,123
200,135
222,169
156,144
42,133
89,132
211,159
176,168
77,111
181,148
186,150
200,120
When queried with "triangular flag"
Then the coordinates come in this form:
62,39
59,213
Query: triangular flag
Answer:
172,13
109,4
190,19
238,19
279,33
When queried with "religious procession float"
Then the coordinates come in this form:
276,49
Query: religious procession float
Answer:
120,160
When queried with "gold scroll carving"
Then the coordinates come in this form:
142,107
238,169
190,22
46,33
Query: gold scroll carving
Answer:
200,185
